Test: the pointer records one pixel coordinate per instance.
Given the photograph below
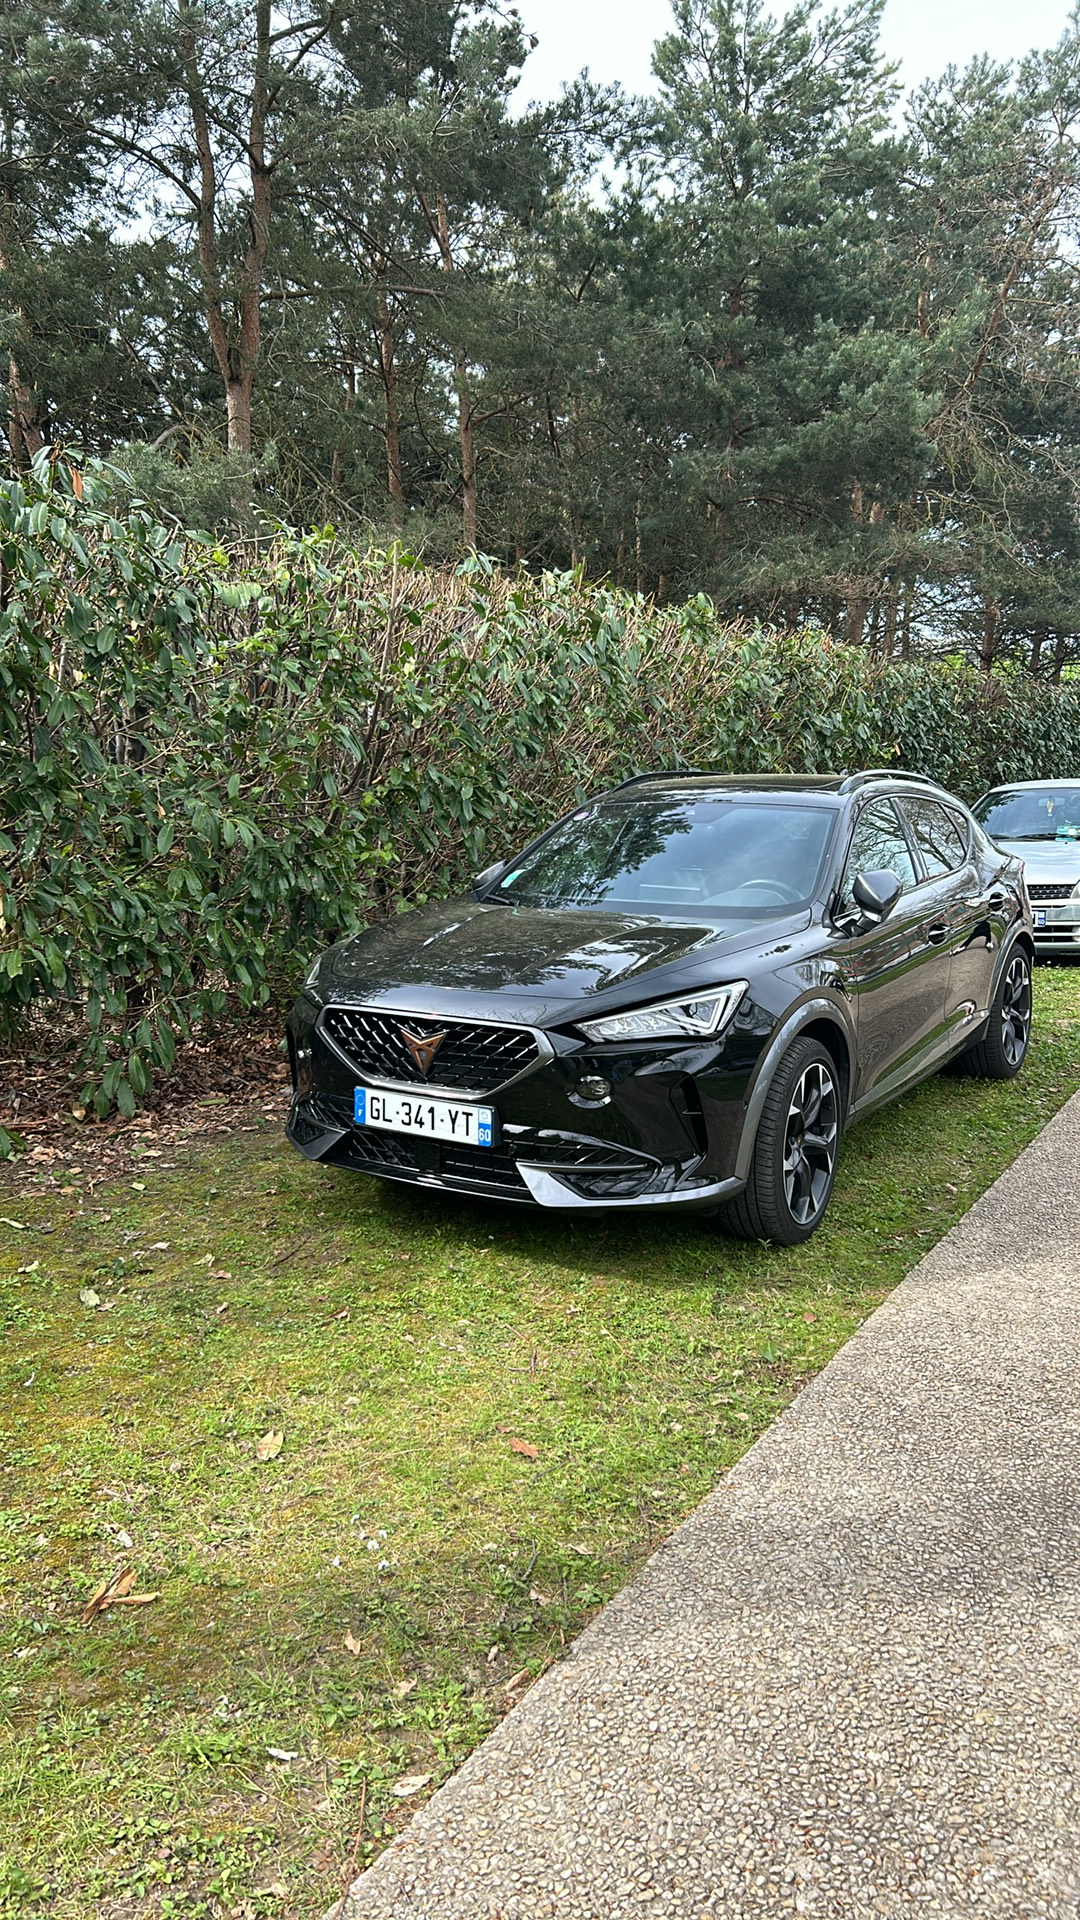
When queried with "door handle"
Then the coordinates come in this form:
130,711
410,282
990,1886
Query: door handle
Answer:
997,900
938,932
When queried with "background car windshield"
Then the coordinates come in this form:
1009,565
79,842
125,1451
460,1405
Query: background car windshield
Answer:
679,857
1029,813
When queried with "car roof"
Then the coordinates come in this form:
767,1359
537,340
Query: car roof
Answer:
824,786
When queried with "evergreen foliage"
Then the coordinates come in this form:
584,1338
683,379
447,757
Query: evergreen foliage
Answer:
217,761
806,351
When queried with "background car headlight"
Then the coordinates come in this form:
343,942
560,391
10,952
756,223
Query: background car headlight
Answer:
1075,894
699,1014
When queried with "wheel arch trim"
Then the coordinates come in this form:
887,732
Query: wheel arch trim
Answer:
811,1013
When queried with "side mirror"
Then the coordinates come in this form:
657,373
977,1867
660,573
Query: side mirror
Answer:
876,894
490,874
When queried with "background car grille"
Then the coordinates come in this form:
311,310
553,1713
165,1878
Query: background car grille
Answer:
477,1059
1050,889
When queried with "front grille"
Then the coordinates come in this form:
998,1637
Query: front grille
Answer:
474,1058
1050,889
330,1110
367,1147
593,1169
481,1166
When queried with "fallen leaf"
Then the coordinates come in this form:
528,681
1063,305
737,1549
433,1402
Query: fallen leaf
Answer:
138,1186
518,1680
269,1446
20,1226
403,1687
114,1588
89,1298
224,1307
343,1315
350,1643
123,1539
409,1784
32,1268
526,1447
493,1653
809,1318
541,1599
134,1599
283,1753
277,1890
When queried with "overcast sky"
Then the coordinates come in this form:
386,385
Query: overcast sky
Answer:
614,38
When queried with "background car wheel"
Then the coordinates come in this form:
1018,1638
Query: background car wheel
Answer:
1000,1052
794,1163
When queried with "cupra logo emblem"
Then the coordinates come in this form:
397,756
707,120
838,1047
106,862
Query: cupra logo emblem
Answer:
423,1051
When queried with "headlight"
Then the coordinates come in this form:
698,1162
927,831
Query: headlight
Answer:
700,1014
312,973
1075,894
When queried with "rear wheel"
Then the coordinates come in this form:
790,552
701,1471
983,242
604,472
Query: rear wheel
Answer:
1002,1049
794,1163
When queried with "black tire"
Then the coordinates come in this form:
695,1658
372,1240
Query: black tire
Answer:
1001,1049
788,1191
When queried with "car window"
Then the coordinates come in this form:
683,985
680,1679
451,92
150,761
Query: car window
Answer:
1030,813
936,834
878,844
671,853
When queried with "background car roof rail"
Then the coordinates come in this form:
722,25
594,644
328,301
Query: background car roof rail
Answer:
852,780
662,773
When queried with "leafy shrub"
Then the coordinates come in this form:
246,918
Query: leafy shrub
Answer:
214,762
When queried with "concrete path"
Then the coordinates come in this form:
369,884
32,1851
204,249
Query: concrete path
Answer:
850,1684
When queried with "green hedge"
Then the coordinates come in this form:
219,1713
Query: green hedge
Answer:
211,763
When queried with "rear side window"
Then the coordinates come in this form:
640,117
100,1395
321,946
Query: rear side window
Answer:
878,844
941,844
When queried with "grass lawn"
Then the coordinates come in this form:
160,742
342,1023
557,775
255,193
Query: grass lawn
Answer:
343,1619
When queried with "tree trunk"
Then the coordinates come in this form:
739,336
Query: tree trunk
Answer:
988,642
1038,641
350,403
469,507
24,435
855,624
388,367
892,608
236,359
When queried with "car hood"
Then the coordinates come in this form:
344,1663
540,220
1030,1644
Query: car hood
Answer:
534,961
1045,859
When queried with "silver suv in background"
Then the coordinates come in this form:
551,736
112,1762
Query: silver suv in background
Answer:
1039,820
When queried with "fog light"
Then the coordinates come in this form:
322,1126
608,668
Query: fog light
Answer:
594,1089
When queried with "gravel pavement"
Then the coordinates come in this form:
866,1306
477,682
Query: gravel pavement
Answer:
849,1685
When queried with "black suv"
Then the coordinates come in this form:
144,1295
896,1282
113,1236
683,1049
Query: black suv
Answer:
679,995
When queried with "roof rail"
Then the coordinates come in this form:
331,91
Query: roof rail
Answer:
852,780
662,773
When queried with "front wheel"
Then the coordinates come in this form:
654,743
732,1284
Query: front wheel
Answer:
1001,1051
794,1163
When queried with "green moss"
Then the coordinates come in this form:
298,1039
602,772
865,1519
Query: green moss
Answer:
400,1342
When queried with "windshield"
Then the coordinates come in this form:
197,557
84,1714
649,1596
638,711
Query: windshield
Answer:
1030,813
677,856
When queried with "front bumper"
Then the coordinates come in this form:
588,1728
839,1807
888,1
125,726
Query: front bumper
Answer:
1056,929
668,1134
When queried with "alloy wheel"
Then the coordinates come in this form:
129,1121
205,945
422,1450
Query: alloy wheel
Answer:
1016,1011
810,1142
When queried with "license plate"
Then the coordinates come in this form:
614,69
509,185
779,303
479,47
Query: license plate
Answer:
433,1119
1040,919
